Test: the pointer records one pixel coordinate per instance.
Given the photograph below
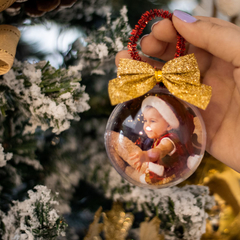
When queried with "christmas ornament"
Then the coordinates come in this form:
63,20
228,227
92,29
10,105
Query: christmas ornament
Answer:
9,37
153,138
5,4
117,223
150,229
36,8
223,182
95,227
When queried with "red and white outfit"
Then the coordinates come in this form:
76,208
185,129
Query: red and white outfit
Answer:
182,128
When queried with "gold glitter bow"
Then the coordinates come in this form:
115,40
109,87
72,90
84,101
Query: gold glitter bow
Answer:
181,76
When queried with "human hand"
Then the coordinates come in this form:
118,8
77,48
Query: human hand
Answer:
215,44
138,158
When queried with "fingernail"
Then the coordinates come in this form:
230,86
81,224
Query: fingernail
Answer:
143,38
154,25
184,16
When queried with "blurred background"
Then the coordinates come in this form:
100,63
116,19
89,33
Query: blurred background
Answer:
79,39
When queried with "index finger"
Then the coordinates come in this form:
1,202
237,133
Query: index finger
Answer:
221,41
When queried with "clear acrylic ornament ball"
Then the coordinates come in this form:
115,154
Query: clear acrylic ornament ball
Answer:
156,140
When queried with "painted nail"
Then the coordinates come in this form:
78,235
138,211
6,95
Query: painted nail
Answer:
143,38
154,25
184,16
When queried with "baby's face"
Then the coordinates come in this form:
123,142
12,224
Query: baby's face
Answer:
154,124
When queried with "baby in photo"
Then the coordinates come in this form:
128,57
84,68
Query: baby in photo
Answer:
168,154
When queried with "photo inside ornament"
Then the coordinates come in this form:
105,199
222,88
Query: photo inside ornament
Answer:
156,140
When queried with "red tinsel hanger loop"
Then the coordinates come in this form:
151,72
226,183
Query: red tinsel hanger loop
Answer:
142,23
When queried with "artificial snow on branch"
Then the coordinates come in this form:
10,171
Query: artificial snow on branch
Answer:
34,218
4,157
102,45
178,208
49,98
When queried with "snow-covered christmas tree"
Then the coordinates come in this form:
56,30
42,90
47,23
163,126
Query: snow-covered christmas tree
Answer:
56,181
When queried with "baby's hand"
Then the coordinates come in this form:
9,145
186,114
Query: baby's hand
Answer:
138,158
144,167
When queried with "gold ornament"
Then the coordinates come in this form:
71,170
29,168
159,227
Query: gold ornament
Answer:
150,229
181,76
9,37
95,228
224,185
5,4
117,223
35,8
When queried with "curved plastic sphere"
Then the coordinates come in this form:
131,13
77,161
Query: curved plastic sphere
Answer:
156,140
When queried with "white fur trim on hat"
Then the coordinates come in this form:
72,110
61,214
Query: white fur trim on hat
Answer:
163,108
156,168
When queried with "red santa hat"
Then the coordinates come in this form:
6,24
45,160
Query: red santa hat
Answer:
163,108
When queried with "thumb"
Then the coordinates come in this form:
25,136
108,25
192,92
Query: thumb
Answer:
219,39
